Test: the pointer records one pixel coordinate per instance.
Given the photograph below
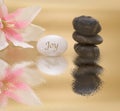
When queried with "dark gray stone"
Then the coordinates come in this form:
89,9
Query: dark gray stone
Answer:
94,40
86,25
87,51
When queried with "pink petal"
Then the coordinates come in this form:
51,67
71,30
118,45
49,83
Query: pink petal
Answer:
12,76
18,72
12,34
1,2
32,77
25,96
3,42
21,44
16,25
3,9
20,25
10,94
20,85
22,65
3,100
11,16
32,33
3,67
26,15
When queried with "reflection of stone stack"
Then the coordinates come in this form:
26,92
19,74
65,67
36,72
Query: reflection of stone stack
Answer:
86,36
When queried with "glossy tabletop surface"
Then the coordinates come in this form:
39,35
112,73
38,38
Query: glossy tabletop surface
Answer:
51,77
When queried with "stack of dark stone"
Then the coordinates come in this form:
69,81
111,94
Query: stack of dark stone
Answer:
87,71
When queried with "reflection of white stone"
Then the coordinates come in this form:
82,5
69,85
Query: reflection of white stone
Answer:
52,45
52,65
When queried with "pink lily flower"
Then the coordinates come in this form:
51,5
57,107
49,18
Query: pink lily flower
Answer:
16,27
12,86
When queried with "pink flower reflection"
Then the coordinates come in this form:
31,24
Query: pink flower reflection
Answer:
12,86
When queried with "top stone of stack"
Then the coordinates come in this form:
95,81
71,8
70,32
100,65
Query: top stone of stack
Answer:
86,26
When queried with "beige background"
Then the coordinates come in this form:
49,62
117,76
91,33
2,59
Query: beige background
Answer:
56,17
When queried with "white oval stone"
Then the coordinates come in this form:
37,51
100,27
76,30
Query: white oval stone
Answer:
52,45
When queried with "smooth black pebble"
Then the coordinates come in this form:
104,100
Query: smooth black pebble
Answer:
93,40
87,51
86,25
